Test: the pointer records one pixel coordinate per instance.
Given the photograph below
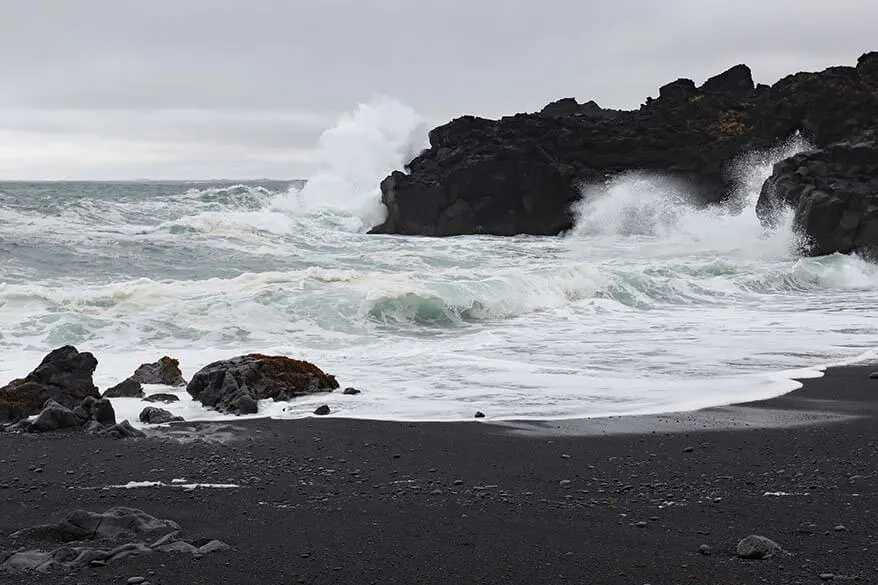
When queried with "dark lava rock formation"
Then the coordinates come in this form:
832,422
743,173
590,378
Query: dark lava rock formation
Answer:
64,377
521,174
158,416
237,384
127,388
84,539
60,391
165,371
834,193
162,397
94,415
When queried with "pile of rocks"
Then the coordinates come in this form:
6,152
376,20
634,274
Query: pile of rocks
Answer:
60,393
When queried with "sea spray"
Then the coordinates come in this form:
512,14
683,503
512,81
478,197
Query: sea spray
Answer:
660,207
365,146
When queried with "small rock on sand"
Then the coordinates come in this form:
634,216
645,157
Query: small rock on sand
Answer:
157,416
480,414
757,547
322,410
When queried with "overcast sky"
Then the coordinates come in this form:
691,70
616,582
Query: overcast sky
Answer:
243,88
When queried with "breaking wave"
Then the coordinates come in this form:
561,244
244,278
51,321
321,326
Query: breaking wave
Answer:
649,304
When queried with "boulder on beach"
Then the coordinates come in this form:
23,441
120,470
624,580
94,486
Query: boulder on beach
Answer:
64,376
127,388
165,371
757,547
157,416
92,413
53,417
235,385
62,395
99,410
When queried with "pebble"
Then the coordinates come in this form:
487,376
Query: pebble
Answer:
688,449
704,550
827,576
322,410
565,456
480,414
840,528
136,580
565,482
641,524
757,547
873,376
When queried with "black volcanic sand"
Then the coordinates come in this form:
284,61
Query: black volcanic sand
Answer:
341,501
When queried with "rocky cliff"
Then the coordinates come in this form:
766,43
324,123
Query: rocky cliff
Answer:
520,174
834,195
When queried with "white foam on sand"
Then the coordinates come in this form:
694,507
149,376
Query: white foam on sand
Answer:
375,404
174,484
783,494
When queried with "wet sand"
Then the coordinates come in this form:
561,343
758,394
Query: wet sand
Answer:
622,500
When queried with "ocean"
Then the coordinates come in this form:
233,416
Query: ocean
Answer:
649,305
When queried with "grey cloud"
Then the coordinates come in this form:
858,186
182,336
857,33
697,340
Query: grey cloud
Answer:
270,128
262,76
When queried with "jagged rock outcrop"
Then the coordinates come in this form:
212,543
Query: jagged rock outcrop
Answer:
834,195
237,384
95,415
165,371
127,388
61,392
520,174
122,430
64,376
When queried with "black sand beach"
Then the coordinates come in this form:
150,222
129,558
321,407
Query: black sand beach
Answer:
626,500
